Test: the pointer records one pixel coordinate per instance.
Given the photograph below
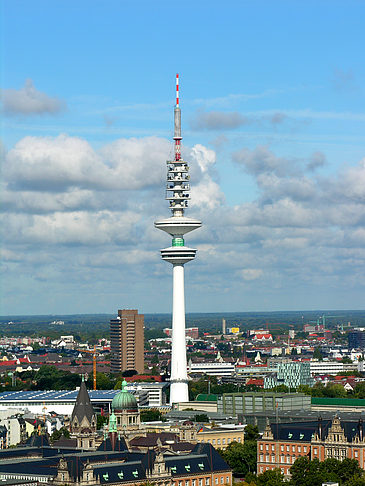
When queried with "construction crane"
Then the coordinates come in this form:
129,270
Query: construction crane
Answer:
94,363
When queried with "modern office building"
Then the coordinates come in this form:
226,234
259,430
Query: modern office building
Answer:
127,341
290,374
178,195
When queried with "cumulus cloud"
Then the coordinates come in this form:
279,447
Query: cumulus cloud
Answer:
64,200
262,160
318,159
29,101
55,164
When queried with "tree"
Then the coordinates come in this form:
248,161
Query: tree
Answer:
313,473
201,417
242,458
346,359
272,477
251,432
129,373
317,354
150,415
101,420
57,434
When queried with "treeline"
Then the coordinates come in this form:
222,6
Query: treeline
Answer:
51,378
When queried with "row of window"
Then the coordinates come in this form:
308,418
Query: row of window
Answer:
283,459
203,482
286,448
218,441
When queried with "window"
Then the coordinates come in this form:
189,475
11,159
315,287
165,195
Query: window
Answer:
267,447
206,481
273,448
223,441
304,449
356,454
293,448
315,450
214,441
282,459
200,482
222,480
216,480
239,439
261,447
299,448
287,448
282,448
227,479
218,441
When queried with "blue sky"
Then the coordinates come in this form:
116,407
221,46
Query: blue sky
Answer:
273,124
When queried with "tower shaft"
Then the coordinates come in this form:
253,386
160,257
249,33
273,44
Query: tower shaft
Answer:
179,378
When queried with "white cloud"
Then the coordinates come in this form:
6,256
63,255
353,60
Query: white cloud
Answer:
29,101
94,209
251,273
55,164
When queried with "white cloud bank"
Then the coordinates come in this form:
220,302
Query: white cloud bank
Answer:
83,215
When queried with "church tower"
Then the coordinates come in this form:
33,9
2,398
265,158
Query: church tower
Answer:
83,420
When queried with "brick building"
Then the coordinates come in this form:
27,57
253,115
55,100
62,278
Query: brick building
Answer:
282,443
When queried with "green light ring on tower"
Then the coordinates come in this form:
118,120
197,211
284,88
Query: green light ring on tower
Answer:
178,241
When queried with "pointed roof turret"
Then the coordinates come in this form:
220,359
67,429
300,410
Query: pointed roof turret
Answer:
83,407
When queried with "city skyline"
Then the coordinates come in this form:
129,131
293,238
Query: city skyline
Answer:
273,125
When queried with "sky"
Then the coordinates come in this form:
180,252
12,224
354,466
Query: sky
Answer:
273,119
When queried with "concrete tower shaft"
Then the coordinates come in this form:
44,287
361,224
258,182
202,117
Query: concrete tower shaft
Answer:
178,194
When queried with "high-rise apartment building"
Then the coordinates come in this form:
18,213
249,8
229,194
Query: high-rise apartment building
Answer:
127,341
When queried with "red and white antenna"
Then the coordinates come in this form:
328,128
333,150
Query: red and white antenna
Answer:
177,124
177,90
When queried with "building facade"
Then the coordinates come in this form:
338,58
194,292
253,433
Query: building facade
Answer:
290,374
127,341
281,444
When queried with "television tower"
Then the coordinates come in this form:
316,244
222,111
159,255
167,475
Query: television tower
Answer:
178,194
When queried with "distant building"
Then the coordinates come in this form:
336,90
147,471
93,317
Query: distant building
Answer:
356,338
292,375
255,402
127,342
331,367
192,332
213,369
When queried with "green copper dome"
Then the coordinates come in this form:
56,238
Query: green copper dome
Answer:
124,400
